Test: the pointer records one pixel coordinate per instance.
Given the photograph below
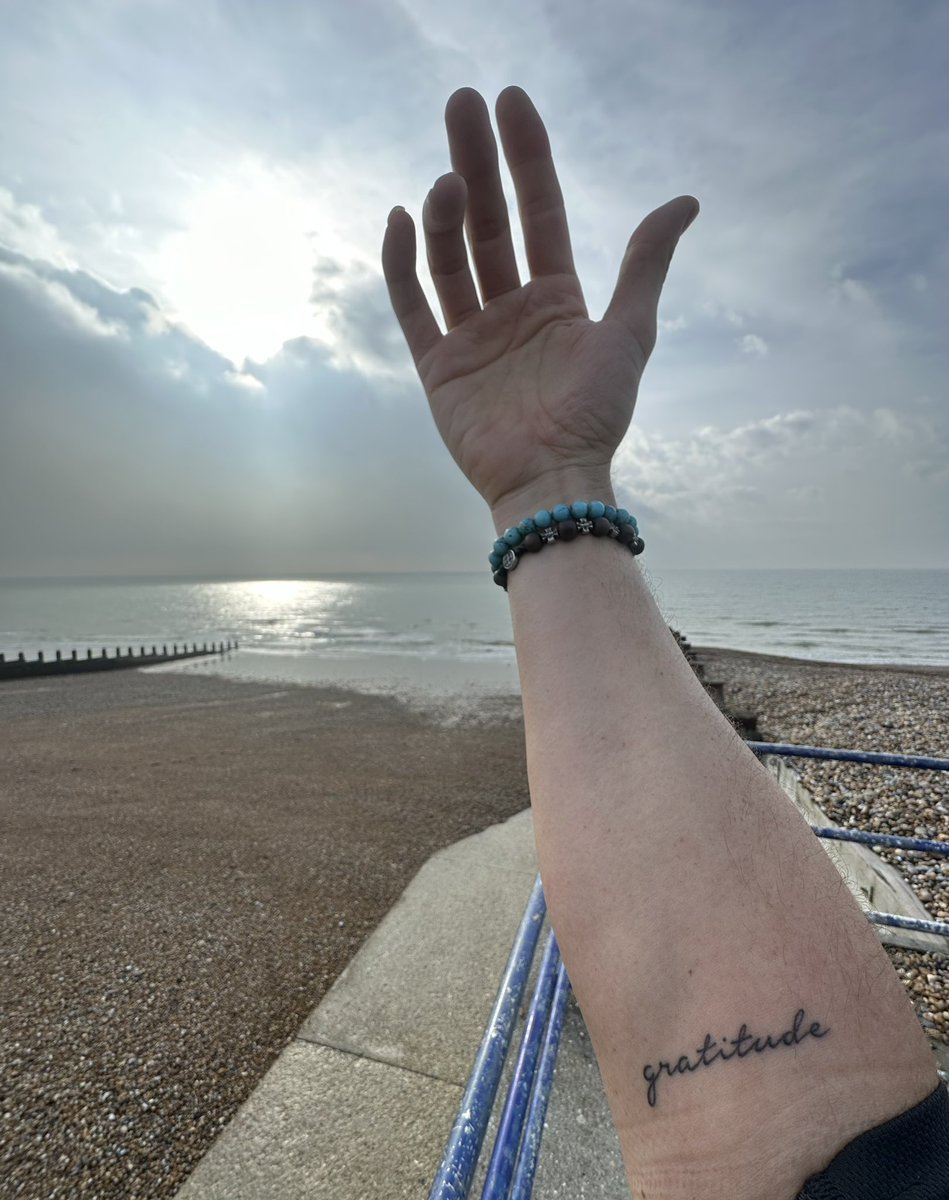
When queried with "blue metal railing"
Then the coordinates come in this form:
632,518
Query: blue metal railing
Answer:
513,1163
464,1143
927,845
861,756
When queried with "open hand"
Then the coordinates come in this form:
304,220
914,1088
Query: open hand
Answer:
529,395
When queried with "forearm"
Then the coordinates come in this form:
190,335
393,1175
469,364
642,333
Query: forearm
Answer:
691,898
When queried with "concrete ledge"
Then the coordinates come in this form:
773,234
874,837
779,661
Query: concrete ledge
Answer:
323,1123
361,1103
419,992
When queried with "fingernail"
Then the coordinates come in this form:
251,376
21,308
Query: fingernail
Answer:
398,208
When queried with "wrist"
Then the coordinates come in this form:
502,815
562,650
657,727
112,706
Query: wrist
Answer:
553,487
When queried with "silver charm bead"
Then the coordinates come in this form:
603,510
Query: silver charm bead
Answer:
614,529
549,534
584,525
509,561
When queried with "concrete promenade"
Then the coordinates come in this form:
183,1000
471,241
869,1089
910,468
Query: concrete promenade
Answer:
361,1102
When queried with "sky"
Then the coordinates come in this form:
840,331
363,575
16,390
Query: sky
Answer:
200,372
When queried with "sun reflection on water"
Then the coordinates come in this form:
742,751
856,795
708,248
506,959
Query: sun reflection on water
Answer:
285,607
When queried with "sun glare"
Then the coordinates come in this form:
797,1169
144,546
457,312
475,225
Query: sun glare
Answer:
239,274
277,594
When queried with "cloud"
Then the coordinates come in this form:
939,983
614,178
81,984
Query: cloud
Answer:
805,468
753,346
23,228
145,451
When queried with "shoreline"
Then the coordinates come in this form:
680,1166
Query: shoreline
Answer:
936,669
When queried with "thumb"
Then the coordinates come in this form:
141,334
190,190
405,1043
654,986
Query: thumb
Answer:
643,270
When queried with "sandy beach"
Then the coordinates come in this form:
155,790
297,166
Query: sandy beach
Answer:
187,863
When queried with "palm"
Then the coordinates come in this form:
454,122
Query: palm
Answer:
530,384
523,382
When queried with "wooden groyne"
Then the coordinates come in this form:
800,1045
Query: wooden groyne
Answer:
746,723
23,668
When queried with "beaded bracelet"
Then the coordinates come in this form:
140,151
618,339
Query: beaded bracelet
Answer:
562,523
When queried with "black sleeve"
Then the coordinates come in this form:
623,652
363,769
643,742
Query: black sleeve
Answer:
906,1158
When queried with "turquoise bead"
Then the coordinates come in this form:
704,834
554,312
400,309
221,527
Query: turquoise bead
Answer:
597,510
561,513
622,516
527,526
512,536
500,547
494,559
579,509
609,512
542,519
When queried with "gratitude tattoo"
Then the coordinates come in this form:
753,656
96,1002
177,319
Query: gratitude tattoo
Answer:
743,1045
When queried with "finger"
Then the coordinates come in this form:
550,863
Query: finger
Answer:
539,198
635,301
409,304
474,156
443,217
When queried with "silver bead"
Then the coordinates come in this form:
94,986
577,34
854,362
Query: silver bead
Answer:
584,525
614,529
549,534
509,561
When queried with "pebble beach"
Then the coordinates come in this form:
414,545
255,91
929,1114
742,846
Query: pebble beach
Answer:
889,709
187,864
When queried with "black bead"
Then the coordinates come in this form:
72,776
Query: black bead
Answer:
602,527
500,578
627,534
567,530
637,546
531,543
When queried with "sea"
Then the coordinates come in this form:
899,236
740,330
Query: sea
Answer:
451,633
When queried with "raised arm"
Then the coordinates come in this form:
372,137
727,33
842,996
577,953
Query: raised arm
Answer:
747,1022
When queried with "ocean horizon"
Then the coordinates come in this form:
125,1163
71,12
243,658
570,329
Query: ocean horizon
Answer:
452,630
